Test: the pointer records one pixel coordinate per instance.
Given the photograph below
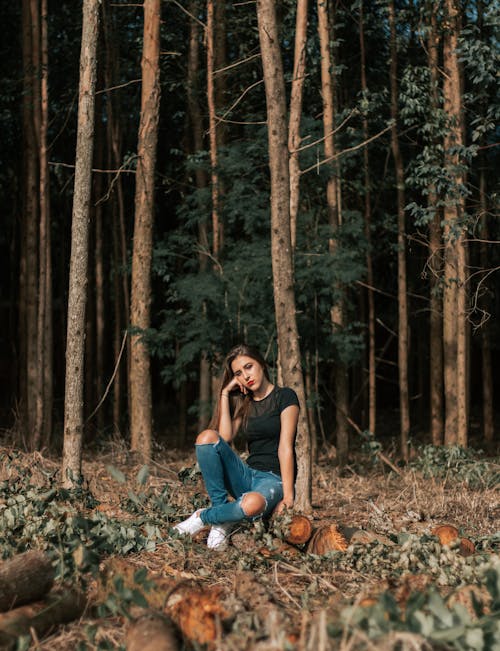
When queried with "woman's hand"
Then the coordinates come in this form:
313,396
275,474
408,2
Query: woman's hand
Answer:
284,504
233,385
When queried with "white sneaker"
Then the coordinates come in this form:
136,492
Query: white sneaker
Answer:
217,538
191,526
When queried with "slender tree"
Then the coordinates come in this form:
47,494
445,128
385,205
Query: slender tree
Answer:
120,278
29,238
140,375
77,295
372,378
333,192
454,292
403,339
435,255
296,96
281,249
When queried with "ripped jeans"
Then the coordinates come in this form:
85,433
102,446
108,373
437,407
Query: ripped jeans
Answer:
225,473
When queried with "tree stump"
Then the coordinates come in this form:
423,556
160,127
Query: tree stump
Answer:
25,578
152,632
299,530
325,539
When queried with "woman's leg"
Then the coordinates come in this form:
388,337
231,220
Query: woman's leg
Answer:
222,469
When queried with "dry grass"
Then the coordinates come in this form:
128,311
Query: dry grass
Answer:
278,602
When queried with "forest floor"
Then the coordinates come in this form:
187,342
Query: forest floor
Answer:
396,587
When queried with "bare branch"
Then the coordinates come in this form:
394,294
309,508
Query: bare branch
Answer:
347,151
316,142
237,63
127,83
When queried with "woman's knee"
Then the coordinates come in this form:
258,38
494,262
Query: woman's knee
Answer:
206,437
253,504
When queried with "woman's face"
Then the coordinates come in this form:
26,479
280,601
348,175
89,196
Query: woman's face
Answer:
248,372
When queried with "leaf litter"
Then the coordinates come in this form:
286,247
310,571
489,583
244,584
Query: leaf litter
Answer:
396,586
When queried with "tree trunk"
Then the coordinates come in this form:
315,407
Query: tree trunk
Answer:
281,251
332,199
25,578
212,129
201,179
115,138
29,247
487,370
294,139
140,376
44,321
454,292
435,262
77,295
403,339
372,379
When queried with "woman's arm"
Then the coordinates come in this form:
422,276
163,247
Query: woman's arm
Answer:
227,427
289,419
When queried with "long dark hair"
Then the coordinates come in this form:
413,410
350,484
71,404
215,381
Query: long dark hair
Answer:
239,403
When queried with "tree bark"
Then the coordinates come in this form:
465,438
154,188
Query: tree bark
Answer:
454,292
29,251
77,295
281,250
201,179
212,129
140,376
403,339
435,260
486,365
334,219
25,578
44,311
294,139
372,378
122,291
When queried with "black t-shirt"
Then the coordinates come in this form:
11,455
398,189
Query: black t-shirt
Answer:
264,426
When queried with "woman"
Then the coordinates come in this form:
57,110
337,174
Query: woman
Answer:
267,415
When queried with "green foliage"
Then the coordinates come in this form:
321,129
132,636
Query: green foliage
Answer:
427,614
60,522
457,464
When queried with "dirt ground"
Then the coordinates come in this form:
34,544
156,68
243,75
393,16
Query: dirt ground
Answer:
259,595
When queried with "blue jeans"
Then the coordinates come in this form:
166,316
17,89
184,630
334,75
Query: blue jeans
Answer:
225,473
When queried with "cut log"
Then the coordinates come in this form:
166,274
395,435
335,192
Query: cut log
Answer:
152,632
195,610
25,578
299,530
446,533
57,608
327,538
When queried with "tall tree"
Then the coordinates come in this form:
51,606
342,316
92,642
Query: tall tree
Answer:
334,219
29,237
43,420
403,339
140,308
372,378
435,245
454,292
77,295
114,134
296,96
281,249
